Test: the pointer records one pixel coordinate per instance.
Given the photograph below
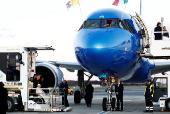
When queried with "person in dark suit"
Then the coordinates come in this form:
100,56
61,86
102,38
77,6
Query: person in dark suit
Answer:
44,85
158,36
36,81
35,76
119,94
89,94
64,92
3,99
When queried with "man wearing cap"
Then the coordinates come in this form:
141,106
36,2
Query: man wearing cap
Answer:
149,90
158,36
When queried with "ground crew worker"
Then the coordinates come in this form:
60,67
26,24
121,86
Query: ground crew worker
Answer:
149,90
31,79
30,85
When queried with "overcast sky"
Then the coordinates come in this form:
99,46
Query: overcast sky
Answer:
48,22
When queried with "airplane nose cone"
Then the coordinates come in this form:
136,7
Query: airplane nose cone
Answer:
104,50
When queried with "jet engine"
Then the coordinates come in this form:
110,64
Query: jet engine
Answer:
52,74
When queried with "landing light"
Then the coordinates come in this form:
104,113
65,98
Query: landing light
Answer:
99,47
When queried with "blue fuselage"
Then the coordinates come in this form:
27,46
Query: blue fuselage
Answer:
111,50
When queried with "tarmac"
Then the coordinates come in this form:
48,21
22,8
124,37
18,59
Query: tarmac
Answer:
133,99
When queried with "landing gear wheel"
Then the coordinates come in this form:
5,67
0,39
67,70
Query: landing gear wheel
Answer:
11,105
113,103
71,93
104,104
77,98
167,104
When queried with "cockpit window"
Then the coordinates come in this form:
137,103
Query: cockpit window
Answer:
125,25
122,24
109,23
92,24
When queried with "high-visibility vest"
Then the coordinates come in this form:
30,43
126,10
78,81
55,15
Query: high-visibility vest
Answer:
151,90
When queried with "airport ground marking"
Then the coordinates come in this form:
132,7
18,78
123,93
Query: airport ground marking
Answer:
86,110
103,112
134,101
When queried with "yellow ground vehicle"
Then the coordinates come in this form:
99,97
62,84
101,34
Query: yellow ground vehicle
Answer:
70,91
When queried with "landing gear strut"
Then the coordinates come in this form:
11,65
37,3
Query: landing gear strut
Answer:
109,102
78,95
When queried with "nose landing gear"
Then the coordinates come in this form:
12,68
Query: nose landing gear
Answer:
109,102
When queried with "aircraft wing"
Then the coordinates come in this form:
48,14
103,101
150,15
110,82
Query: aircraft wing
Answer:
70,66
161,66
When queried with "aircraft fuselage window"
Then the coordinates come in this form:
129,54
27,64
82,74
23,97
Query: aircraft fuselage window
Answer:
92,24
13,67
109,23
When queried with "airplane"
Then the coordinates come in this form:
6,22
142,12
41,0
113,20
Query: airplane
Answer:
108,45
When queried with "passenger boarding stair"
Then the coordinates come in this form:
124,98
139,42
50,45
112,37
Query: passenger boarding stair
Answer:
158,49
151,48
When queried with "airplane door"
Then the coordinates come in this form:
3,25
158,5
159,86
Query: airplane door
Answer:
144,32
160,88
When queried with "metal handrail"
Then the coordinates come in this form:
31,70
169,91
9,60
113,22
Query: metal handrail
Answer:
161,32
54,93
50,96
